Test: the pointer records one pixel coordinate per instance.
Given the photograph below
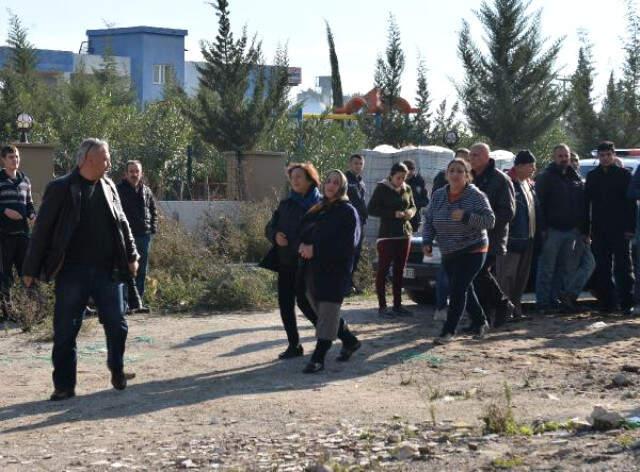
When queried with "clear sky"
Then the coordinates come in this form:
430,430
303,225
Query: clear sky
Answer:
428,27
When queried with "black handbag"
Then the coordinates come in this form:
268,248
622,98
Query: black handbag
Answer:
271,261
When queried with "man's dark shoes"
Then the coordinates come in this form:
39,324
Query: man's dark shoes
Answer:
401,311
313,367
141,309
568,303
347,351
59,395
119,379
291,352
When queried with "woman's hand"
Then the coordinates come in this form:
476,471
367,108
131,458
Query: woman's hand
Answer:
12,214
281,239
427,250
457,215
306,251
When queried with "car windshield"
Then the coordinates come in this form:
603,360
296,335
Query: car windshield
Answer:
585,169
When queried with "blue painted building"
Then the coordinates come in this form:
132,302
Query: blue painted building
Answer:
156,54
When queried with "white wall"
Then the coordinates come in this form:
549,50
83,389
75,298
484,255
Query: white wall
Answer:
191,214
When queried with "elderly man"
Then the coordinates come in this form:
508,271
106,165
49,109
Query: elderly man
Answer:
560,192
501,194
139,206
82,240
613,225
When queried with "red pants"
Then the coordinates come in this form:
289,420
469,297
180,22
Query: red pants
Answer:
390,251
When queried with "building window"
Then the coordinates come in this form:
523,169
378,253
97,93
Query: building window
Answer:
161,73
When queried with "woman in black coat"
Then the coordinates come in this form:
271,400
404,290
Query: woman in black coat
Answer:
283,231
329,236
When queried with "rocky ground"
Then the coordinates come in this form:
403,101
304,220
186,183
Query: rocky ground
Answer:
209,394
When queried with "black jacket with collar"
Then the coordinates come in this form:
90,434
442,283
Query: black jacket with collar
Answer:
357,193
561,199
607,201
499,190
57,220
139,208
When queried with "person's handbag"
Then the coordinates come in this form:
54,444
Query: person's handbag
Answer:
271,260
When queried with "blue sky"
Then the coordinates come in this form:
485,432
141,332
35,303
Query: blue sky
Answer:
428,27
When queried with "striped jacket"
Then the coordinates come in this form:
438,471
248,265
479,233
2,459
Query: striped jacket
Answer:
454,236
15,195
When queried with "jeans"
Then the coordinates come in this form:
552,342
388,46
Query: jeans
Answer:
461,270
390,251
73,287
581,268
612,247
442,288
143,243
14,248
553,265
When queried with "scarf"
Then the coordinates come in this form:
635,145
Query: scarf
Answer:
306,201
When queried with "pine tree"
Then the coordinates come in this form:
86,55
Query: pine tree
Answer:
238,99
445,120
508,94
611,114
23,58
631,81
582,120
336,82
422,119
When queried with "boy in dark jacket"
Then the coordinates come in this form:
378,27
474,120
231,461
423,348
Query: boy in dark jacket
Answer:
419,190
499,190
613,224
357,193
512,268
16,210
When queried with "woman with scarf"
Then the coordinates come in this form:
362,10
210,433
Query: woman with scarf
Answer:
392,202
329,235
284,232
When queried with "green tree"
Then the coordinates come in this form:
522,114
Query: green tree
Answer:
630,82
238,99
445,120
508,94
422,119
611,116
582,120
336,82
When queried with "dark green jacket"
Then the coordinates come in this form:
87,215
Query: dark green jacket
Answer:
384,203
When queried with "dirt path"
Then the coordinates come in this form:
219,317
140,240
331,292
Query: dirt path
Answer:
209,395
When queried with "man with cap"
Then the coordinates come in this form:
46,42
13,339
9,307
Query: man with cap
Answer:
513,268
613,225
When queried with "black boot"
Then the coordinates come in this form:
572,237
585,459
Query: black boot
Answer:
291,352
316,364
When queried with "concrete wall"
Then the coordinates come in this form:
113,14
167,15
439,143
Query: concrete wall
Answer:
36,160
263,173
191,214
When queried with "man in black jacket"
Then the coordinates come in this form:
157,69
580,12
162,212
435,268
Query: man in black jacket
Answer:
560,194
82,239
613,224
440,180
499,190
419,189
16,210
139,206
357,193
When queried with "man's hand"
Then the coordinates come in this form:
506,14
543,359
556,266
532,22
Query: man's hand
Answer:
12,214
629,235
306,251
28,281
587,239
281,239
400,214
427,250
457,215
133,267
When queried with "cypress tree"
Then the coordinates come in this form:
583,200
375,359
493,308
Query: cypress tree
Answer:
422,119
611,114
508,94
336,82
582,120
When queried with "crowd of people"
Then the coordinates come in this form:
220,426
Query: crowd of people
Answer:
494,231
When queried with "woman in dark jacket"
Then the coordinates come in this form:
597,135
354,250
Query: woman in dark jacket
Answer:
284,232
392,202
329,236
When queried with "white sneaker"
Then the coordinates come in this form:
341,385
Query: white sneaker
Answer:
440,315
